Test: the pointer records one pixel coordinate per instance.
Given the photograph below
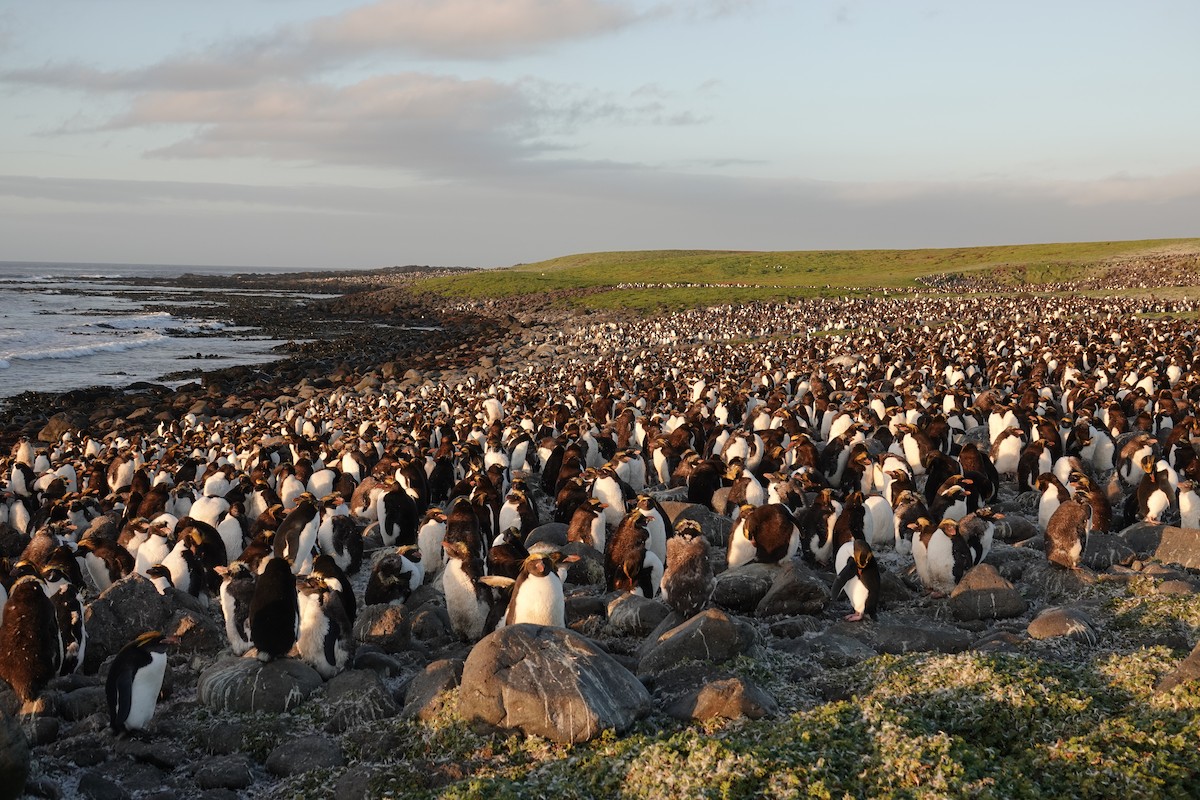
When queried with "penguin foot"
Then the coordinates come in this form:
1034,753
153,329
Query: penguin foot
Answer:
853,617
936,595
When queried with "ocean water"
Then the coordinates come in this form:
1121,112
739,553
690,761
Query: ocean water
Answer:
69,326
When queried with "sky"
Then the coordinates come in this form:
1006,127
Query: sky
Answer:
484,133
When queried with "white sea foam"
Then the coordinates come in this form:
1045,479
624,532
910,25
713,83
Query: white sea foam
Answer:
81,350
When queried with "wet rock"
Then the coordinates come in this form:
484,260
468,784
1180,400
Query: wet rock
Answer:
711,635
730,698
427,693
1058,621
304,755
743,588
795,590
247,684
984,594
549,682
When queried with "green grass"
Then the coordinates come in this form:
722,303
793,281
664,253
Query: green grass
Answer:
781,275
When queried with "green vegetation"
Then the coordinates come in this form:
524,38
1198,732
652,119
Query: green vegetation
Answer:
753,275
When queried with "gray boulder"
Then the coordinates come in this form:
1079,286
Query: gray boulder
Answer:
124,611
796,589
1055,584
984,594
588,569
633,615
196,633
247,684
1165,543
711,635
554,533
427,693
548,682
743,588
386,626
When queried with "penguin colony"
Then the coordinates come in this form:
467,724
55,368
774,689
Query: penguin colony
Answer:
828,448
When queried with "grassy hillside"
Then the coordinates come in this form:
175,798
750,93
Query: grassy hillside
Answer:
712,275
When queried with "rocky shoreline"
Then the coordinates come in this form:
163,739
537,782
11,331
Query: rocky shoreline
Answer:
423,714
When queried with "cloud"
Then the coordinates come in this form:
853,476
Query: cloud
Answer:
464,30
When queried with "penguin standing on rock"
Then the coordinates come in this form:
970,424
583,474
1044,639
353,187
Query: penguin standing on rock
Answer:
324,641
274,611
687,581
134,682
236,594
942,556
537,594
629,563
1067,532
859,579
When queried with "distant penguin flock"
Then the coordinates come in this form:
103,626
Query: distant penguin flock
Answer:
821,430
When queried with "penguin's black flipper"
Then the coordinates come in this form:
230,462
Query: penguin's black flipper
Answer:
119,686
849,571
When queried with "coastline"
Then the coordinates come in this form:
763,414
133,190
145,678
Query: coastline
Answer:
348,329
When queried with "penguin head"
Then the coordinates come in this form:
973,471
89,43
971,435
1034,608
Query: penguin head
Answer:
862,554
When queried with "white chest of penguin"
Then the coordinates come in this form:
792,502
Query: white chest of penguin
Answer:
540,601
